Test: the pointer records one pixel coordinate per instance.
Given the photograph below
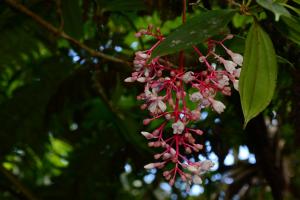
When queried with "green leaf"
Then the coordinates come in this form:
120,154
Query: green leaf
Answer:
283,60
275,7
296,1
195,31
290,28
296,10
259,73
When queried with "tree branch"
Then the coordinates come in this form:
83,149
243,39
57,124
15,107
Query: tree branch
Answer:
62,34
27,193
265,149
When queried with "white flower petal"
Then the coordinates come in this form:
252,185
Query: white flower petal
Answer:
229,66
237,58
236,84
141,79
218,106
162,106
152,107
129,80
196,96
178,127
188,76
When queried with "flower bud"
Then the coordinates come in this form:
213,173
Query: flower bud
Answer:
218,106
178,127
149,166
192,168
196,96
206,165
228,37
146,121
188,76
199,132
129,80
236,84
197,179
141,79
147,135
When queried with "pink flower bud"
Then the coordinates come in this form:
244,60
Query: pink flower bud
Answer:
129,80
172,73
188,150
141,55
143,106
199,132
228,37
151,144
159,73
199,146
172,151
166,173
150,166
146,121
157,156
155,132
171,182
157,144
138,34
166,156
195,115
183,178
147,135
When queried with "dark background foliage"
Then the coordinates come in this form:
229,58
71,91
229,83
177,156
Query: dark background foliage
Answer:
69,126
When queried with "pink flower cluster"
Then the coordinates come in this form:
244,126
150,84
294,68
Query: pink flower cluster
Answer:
167,93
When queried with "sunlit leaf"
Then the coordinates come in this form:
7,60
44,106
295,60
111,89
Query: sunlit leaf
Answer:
275,7
259,73
195,31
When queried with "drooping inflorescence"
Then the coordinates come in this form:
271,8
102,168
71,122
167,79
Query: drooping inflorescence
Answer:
167,93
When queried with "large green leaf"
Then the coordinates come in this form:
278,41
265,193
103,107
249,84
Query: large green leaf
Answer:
275,7
259,73
195,31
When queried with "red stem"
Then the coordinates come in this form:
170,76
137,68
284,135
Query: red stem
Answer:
184,12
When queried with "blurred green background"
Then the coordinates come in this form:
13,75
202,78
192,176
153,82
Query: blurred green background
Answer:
69,125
